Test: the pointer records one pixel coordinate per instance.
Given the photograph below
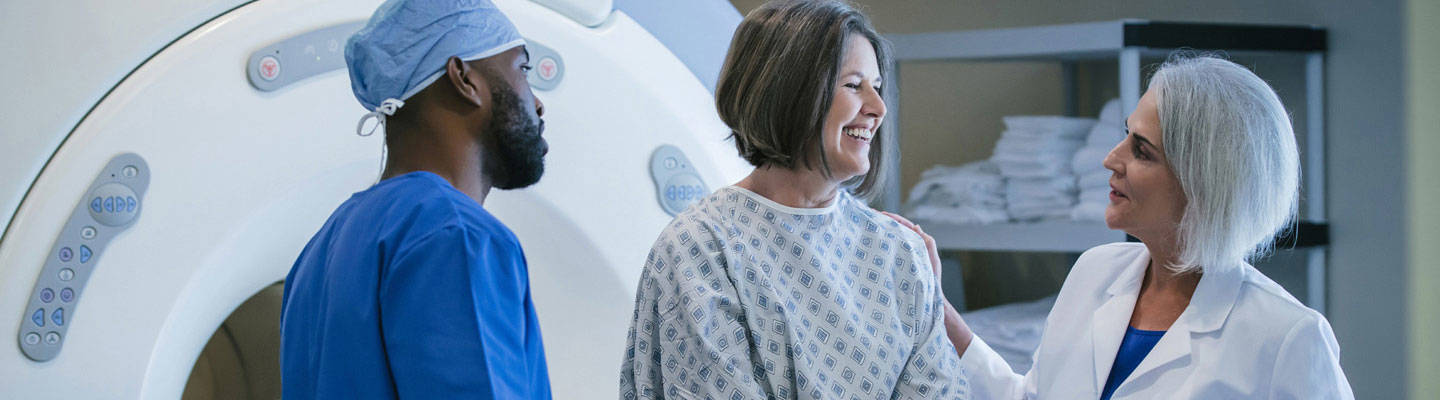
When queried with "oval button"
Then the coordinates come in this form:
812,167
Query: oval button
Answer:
115,208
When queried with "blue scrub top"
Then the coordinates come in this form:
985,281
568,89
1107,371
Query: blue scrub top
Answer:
1133,348
411,290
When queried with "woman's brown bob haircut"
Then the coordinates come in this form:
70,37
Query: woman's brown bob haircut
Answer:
779,79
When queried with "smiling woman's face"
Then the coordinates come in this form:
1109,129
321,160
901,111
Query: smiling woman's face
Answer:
1145,198
855,113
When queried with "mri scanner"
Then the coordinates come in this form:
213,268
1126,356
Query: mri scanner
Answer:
162,162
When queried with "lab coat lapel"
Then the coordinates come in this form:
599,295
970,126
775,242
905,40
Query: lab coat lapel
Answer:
1173,347
1107,325
1214,297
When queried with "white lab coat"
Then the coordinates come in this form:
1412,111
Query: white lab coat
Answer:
1242,336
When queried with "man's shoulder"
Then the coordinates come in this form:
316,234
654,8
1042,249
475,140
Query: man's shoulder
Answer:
424,206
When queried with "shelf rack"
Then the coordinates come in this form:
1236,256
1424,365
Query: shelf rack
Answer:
1127,41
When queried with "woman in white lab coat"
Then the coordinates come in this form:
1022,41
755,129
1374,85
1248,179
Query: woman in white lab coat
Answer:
1205,178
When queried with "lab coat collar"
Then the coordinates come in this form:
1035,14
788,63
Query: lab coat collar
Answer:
1214,298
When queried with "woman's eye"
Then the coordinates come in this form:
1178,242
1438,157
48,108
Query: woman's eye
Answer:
1140,154
525,68
855,86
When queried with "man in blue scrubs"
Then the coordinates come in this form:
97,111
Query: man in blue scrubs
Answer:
411,289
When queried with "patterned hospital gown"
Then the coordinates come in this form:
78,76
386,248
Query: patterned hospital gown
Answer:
744,298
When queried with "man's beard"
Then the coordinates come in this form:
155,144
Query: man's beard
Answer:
515,157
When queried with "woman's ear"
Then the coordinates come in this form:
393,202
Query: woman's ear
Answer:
466,80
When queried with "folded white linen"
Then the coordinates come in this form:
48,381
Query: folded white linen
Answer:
1021,188
959,215
977,183
1095,180
1111,112
1013,330
1089,211
1052,124
1031,169
1089,158
1034,147
1105,134
1033,213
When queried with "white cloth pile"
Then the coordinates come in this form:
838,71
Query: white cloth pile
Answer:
973,193
1091,176
1034,155
1013,330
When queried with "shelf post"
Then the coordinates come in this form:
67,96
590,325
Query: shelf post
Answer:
1313,185
1129,79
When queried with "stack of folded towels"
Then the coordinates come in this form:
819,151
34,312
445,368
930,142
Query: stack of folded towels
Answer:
1034,155
973,193
1091,176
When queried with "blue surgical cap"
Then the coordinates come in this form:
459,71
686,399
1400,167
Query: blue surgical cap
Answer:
404,46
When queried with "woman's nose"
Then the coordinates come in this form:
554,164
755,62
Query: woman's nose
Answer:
874,105
1112,160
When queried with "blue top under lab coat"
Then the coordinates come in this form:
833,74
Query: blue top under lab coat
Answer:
411,290
1133,348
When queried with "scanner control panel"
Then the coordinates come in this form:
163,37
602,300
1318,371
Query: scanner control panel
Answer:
111,205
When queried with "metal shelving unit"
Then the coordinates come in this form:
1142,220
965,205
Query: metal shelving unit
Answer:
1127,41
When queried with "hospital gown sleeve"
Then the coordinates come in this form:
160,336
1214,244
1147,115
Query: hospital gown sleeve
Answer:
687,339
932,371
453,318
1308,365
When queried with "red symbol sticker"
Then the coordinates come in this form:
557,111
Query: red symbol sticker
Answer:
548,68
269,68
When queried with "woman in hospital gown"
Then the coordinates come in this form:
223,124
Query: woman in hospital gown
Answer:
785,285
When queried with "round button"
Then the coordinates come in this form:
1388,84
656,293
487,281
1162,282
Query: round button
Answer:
548,68
67,274
115,208
32,338
87,232
269,68
52,338
66,254
47,295
129,171
66,295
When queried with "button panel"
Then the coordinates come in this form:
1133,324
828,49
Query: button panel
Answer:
677,183
111,205
297,58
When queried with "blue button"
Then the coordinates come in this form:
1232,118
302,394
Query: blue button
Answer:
66,254
95,205
85,254
47,295
38,317
58,317
109,204
66,295
129,204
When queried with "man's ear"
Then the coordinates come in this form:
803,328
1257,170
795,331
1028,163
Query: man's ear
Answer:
466,81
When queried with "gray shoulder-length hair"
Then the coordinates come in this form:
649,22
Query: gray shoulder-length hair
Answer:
1230,143
778,82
